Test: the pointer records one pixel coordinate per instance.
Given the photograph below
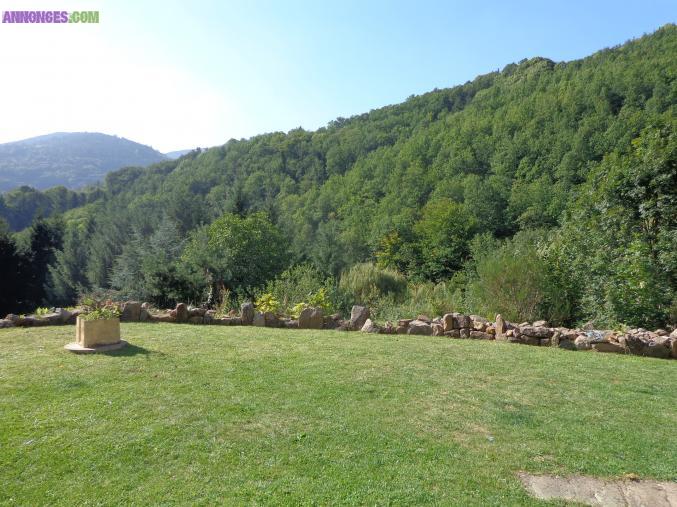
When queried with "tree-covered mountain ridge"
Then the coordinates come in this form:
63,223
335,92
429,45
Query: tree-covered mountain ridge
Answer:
579,153
71,159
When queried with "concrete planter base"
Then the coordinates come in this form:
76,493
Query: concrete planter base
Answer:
96,336
79,349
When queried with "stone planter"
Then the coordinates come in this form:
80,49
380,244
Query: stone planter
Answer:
96,336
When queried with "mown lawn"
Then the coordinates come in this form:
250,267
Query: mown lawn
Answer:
215,415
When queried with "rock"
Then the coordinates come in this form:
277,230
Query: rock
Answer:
144,315
402,329
6,323
479,326
524,324
480,335
329,322
453,333
259,320
510,332
419,327
370,327
196,319
501,327
462,321
209,317
464,333
658,348
541,323
52,319
661,332
448,322
247,313
530,340
566,344
358,316
388,328
491,330
311,318
291,324
181,312
545,342
12,318
64,314
536,332
673,334
438,329
131,311
582,342
271,320
673,347
163,317
404,322
196,312
614,348
221,321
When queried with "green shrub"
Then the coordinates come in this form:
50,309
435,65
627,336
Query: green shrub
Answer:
97,309
267,303
515,281
366,283
301,286
42,311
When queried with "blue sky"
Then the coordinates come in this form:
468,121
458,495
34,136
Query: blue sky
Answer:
183,74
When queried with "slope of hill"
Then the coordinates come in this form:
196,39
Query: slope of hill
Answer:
176,154
70,159
569,164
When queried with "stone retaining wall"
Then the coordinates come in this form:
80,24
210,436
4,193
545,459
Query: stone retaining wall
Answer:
660,343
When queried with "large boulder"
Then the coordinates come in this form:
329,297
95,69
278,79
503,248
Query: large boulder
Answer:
358,316
6,323
131,312
501,327
370,327
611,347
181,312
448,322
438,329
247,313
419,327
311,318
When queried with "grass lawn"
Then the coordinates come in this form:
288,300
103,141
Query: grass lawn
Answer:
200,415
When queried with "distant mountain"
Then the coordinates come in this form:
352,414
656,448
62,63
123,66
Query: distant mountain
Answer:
70,159
176,154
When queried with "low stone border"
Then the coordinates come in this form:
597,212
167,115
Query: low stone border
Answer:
660,343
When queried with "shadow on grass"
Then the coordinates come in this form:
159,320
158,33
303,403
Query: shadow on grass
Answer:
129,350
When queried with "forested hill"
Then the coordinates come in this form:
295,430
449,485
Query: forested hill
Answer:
72,159
575,159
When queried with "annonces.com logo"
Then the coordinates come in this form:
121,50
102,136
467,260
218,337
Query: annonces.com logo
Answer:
35,17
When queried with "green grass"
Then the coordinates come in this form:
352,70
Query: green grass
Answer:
215,415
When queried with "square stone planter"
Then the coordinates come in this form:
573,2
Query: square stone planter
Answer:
96,335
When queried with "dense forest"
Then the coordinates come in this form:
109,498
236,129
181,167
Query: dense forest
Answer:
543,190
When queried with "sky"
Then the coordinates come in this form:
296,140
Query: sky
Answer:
178,75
